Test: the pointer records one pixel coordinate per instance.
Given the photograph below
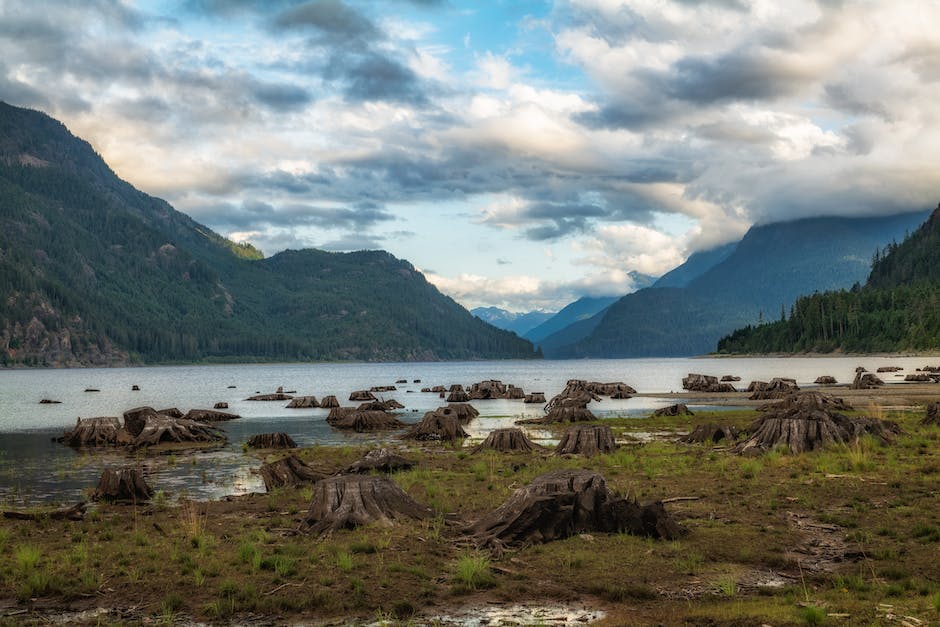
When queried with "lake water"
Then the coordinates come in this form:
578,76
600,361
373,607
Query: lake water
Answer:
35,469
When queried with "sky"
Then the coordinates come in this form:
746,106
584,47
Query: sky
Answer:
520,153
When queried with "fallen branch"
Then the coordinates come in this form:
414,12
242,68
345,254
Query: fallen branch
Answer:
676,499
75,512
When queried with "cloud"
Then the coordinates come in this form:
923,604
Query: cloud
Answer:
333,20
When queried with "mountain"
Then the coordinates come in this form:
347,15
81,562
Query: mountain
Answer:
518,323
695,266
896,309
766,272
93,271
641,280
581,309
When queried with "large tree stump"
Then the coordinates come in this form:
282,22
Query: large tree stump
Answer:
464,412
210,415
710,432
124,485
348,501
866,381
361,395
303,402
135,419
436,427
382,388
288,472
535,397
705,383
391,404
932,417
917,377
172,412
362,420
329,402
379,460
509,440
271,440
569,410
563,503
778,387
587,440
458,396
679,409
160,429
102,431
613,390
825,380
576,392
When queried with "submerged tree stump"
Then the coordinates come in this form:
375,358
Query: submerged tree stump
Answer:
303,402
379,460
209,415
287,472
349,501
563,503
361,420
160,429
124,485
271,440
102,431
679,409
329,402
705,383
710,432
932,417
587,440
511,440
436,427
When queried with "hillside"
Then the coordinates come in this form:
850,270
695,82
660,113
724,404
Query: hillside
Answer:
518,323
695,266
572,319
94,271
897,309
767,271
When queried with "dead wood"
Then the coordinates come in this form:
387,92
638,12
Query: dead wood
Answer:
360,420
458,396
437,389
209,415
276,396
124,485
535,397
348,501
919,377
160,429
576,393
514,393
172,412
271,440
778,387
303,402
710,432
509,440
329,402
825,380
705,383
220,405
73,512
361,395
289,471
679,409
866,381
379,460
103,431
382,388
436,426
391,404
487,389
613,390
587,440
464,412
563,503
932,417
135,419
889,369
47,401
729,378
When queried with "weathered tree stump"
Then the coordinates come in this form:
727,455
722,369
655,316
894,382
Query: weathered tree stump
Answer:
613,390
361,420
917,377
209,415
382,388
437,389
729,378
135,419
710,433
103,431
569,410
778,387
705,383
535,397
329,402
932,417
276,396
172,412
135,388
515,393
124,485
563,503
437,427
271,440
160,429
825,380
303,402
587,440
464,412
509,440
220,405
458,396
391,404
349,501
889,369
679,409
866,381
288,472
379,460
361,395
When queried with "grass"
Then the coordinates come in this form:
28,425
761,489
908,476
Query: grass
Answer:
472,572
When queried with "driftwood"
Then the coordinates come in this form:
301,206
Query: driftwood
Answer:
360,420
563,503
865,381
825,380
277,396
535,397
437,427
303,402
679,409
329,402
220,405
209,415
778,387
160,429
379,460
103,431
288,472
271,440
124,485
932,417
710,433
361,395
587,440
73,512
348,501
510,440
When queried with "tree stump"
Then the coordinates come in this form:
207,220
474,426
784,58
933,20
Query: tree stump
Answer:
917,377
135,419
49,401
329,402
569,410
778,387
436,427
729,378
825,380
464,412
348,501
362,395
866,381
379,460
124,485
391,404
563,503
276,396
509,440
535,397
710,433
172,412
613,390
932,417
438,389
587,440
103,431
271,440
288,472
359,420
209,415
458,396
303,402
382,388
679,409
576,392
220,405
159,429
890,369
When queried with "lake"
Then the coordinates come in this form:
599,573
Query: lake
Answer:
34,469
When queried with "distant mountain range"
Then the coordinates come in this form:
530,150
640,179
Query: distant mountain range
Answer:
93,271
714,292
518,323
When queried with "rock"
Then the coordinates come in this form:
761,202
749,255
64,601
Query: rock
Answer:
563,503
271,440
329,402
379,460
507,441
361,420
47,401
209,415
587,440
349,501
103,431
436,426
825,380
361,395
535,397
710,432
866,381
124,485
290,471
277,396
220,405
679,409
303,402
